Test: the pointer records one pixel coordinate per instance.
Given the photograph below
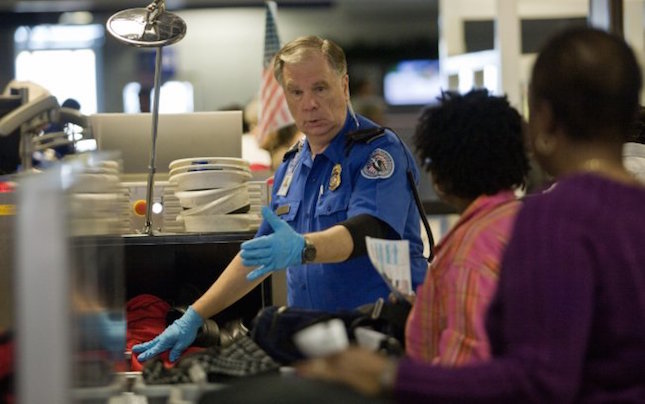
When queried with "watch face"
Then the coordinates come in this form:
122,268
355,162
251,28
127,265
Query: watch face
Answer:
309,252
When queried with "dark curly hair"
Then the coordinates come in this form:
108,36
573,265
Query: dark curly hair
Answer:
472,144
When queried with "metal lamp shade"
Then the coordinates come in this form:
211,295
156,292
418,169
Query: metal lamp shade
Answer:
133,27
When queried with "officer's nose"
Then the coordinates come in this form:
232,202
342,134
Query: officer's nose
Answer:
309,102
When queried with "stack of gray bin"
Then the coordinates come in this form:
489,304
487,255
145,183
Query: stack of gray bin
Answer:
216,194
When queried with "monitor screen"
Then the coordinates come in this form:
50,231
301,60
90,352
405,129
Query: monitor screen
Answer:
195,134
10,144
412,82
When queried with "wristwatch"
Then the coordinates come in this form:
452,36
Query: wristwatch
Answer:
308,252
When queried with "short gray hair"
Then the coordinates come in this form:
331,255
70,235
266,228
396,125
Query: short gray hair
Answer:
296,51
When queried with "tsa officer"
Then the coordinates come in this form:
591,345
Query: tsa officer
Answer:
347,179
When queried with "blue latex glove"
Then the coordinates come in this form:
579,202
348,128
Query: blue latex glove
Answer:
274,252
176,337
106,329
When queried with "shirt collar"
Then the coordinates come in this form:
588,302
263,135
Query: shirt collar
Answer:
334,152
479,207
485,203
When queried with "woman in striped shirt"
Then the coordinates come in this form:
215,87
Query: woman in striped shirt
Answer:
473,147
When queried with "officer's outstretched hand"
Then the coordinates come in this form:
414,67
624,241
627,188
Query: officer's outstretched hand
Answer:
177,337
275,251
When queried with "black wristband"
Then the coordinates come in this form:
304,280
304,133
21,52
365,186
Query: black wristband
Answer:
366,225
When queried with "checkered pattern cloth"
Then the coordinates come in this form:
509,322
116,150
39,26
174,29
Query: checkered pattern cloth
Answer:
242,357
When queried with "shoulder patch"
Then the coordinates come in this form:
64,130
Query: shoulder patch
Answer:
379,165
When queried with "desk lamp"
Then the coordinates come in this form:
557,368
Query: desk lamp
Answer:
149,27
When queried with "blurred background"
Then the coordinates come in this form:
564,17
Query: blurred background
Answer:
400,53
63,46
72,247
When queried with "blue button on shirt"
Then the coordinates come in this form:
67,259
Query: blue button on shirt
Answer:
310,205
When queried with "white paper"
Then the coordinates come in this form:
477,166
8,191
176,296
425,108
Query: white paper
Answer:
391,258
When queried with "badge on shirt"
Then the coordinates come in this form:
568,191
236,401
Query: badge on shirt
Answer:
282,210
334,180
379,165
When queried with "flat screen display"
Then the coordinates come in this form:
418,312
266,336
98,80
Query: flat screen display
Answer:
195,134
412,82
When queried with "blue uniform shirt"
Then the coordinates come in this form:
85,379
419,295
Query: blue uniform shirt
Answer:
372,181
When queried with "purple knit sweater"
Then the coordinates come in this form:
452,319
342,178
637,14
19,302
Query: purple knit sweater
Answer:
568,321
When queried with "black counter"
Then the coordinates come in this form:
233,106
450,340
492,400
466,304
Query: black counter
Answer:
181,267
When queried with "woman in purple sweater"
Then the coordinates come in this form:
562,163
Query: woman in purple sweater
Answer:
568,321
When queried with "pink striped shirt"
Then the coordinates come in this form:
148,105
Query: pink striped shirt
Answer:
446,324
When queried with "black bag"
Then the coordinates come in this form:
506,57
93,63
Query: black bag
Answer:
273,327
386,316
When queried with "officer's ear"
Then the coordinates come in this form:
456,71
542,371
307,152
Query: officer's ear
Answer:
346,86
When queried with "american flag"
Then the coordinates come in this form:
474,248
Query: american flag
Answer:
273,112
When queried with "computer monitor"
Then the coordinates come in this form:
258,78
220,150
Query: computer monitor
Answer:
412,82
196,134
10,144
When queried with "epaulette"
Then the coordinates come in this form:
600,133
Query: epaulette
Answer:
362,136
294,149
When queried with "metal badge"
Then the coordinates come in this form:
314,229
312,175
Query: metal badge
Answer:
334,181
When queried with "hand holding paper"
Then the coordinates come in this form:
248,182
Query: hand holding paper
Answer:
391,258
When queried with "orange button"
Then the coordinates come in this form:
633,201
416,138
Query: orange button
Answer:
139,207
6,187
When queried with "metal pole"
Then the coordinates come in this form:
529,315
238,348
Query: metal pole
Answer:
153,152
607,15
42,291
508,44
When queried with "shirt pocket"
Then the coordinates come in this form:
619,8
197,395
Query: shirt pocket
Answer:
287,209
332,208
